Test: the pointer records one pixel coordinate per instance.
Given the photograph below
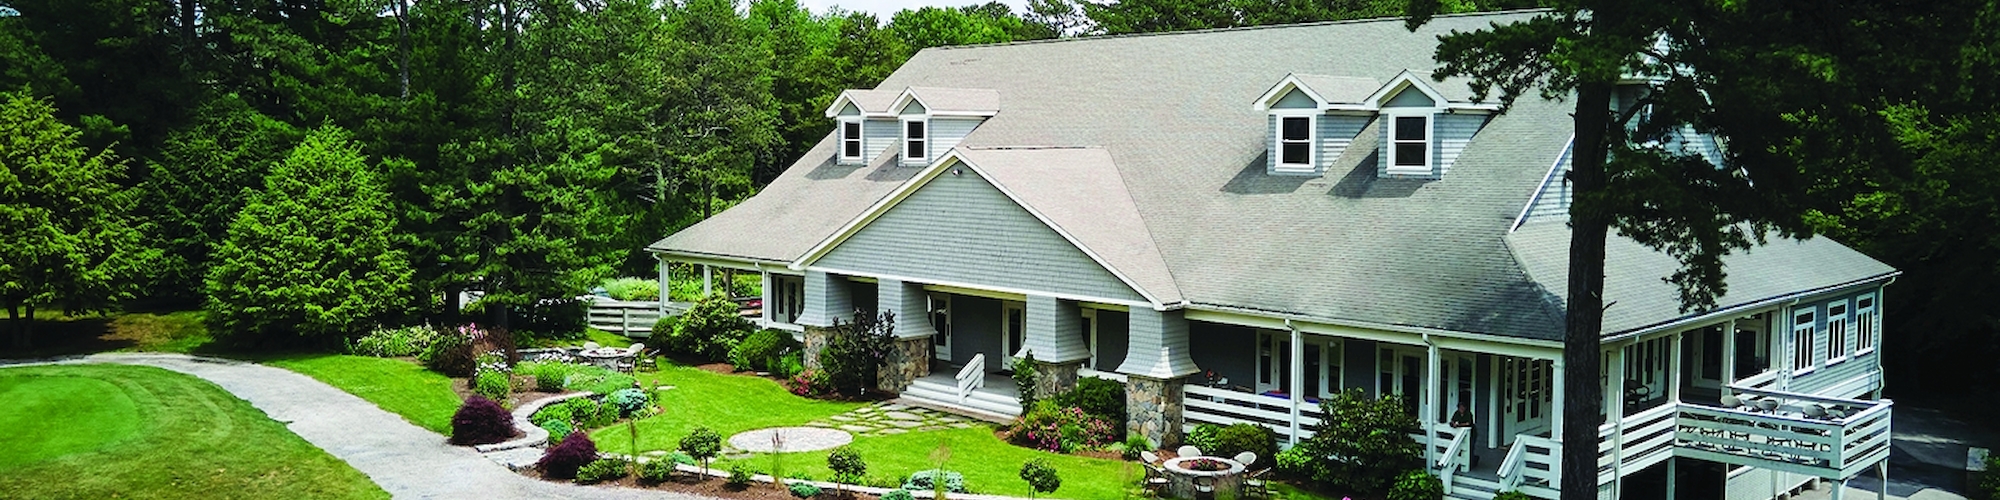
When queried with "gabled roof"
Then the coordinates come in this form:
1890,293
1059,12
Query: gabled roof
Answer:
1323,89
871,102
950,101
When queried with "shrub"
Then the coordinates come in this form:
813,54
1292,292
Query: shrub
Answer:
1203,435
1054,428
597,379
1040,476
702,444
810,383
493,384
709,329
764,351
1991,483
1026,379
659,470
854,351
1135,444
632,289
629,401
847,465
550,376
790,364
1417,485
559,412
391,342
1294,463
739,476
562,461
450,354
481,421
1102,398
1512,495
603,469
898,494
804,490
1372,436
590,414
558,430
1238,438
927,480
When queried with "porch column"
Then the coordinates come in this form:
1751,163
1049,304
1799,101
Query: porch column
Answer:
664,295
1156,359
1429,418
827,300
1674,372
769,296
1298,374
707,280
910,357
1615,415
1556,417
1728,357
1053,336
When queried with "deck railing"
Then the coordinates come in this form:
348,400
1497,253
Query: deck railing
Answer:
1454,454
971,378
1637,442
1225,407
1849,437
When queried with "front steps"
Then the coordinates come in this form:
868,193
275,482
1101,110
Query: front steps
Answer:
983,405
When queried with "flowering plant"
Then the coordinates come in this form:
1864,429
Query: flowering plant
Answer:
1205,464
1061,429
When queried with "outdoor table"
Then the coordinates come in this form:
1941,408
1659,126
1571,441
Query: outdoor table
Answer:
1183,482
606,357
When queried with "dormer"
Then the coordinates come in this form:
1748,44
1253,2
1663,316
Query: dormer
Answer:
863,126
932,120
1422,130
1309,124
1313,119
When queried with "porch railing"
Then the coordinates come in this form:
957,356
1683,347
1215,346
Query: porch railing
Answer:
1532,466
628,318
1636,442
1850,436
970,378
1225,407
1454,454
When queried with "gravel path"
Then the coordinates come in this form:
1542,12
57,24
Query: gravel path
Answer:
405,460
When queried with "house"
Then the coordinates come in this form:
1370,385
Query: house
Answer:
1236,223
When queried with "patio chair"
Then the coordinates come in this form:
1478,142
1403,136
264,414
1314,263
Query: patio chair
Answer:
1246,458
647,361
1204,485
1150,457
588,345
1254,485
1187,451
1156,477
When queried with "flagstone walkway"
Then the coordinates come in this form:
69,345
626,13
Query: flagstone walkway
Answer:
885,418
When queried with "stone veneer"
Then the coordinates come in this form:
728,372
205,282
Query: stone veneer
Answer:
1153,409
815,340
1054,378
908,360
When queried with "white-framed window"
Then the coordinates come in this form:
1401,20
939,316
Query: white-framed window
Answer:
1865,328
1836,332
850,141
1295,142
788,298
916,141
1409,143
1323,359
1802,342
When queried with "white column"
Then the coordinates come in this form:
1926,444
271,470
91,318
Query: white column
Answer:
1556,416
1493,388
1614,414
1839,489
1674,371
707,280
770,295
663,284
1429,418
1298,373
1670,478
1881,472
1728,356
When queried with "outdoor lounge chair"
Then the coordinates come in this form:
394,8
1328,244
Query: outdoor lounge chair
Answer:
1254,485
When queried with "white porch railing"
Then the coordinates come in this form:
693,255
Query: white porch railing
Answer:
1225,407
1637,442
971,378
1532,466
628,318
1454,453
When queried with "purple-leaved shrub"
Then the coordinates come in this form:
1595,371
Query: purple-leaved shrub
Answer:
481,421
562,461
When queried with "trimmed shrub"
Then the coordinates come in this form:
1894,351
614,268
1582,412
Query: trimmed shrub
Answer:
590,414
764,351
1135,444
562,461
481,421
1050,427
628,401
1512,495
659,470
804,490
550,376
1238,438
927,480
854,351
558,430
632,289
810,384
739,476
702,444
898,494
450,354
559,412
709,329
392,342
1040,476
1372,437
1417,485
1102,398
493,384
603,469
1203,435
1025,379
847,465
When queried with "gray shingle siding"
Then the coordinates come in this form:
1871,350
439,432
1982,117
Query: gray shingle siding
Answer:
960,229
947,132
1410,97
877,136
1826,376
1295,100
1336,133
1452,133
1552,201
1055,330
827,298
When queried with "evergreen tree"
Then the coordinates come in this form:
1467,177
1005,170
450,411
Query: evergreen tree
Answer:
206,173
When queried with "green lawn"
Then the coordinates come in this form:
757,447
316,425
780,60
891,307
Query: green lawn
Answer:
131,431
991,466
404,388
726,403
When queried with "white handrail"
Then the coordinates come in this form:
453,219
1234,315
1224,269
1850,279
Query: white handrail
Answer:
1455,453
970,377
1508,466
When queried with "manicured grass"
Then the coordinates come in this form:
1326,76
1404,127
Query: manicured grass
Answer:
991,466
404,388
728,404
133,431
181,331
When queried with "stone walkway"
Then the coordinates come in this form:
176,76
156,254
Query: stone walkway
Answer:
405,460
885,418
795,439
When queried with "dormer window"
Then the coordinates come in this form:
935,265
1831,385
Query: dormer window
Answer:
1410,144
1295,142
850,141
915,141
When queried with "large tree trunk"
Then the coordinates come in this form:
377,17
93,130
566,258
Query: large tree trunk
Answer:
14,328
402,12
1589,220
27,335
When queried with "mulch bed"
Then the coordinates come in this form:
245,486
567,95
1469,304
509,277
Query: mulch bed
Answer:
463,387
712,487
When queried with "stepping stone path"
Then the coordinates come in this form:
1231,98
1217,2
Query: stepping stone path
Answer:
885,418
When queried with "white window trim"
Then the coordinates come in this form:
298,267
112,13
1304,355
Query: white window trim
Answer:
1811,331
1845,327
1430,140
1332,363
1312,140
860,139
903,144
1874,324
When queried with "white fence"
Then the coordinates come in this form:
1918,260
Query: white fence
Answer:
628,318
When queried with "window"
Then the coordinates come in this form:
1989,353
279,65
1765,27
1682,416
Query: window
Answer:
788,299
914,135
850,141
1802,342
1322,363
1836,332
1864,324
1409,144
1295,142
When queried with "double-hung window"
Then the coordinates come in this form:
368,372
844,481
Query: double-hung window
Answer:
915,141
1803,329
1410,144
1836,332
850,141
1295,143
1864,324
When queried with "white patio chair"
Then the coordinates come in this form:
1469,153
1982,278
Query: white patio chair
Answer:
1187,451
635,349
588,345
1149,457
1246,458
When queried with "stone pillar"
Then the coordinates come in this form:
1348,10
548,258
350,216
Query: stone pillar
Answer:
1153,409
1055,377
815,340
909,360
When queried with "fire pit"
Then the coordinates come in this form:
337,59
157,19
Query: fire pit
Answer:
1195,477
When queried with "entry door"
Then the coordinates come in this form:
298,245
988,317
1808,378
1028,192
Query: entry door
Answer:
940,308
1527,395
1089,334
1322,362
1013,322
1705,353
1459,372
1400,371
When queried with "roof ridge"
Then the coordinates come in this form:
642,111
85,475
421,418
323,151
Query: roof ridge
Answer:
1229,29
1026,148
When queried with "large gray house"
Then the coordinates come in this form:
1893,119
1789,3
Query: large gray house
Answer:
1236,223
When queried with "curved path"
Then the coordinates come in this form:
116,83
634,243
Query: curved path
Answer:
405,460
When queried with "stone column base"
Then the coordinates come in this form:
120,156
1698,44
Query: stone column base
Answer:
1153,409
816,337
1054,378
909,360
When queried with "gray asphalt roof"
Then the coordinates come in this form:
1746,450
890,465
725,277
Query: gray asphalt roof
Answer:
1173,114
1341,89
874,100
958,100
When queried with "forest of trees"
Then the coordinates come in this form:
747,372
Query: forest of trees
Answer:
381,155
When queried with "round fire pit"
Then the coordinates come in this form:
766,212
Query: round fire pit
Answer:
1189,477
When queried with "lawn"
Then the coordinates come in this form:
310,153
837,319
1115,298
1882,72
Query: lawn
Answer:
404,388
727,404
132,431
991,466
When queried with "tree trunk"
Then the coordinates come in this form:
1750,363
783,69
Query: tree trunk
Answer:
27,328
14,327
1589,220
403,46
